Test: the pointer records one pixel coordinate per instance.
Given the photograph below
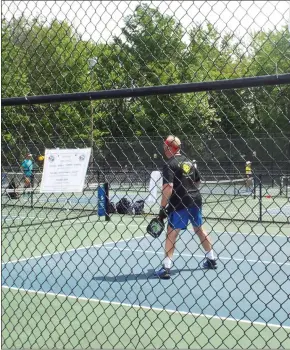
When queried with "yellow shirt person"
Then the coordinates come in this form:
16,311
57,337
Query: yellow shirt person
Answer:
248,176
248,168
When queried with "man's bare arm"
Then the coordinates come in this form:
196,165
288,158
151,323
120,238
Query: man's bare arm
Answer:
166,194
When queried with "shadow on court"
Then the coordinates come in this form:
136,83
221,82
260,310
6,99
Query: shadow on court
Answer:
141,276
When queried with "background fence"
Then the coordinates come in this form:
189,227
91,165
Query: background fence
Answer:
70,279
269,154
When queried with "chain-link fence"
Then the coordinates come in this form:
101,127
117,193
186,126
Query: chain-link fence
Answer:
81,270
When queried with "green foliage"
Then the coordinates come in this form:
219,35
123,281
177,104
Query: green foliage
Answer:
39,58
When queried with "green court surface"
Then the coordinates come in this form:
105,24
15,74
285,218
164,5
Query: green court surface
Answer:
37,318
272,209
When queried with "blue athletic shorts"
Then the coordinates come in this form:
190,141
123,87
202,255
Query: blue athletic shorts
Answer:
29,175
179,219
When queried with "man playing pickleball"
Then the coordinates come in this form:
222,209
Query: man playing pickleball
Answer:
181,202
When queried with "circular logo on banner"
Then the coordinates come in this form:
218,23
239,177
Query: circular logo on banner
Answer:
51,158
82,157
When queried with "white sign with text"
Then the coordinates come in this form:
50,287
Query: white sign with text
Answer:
64,170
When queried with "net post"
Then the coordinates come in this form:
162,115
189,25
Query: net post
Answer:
255,186
260,198
106,188
281,185
32,187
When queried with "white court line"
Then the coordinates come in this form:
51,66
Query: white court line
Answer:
16,217
76,220
197,255
117,303
265,234
132,238
143,251
279,209
72,250
233,213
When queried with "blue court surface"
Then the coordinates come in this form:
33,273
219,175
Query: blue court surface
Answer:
251,283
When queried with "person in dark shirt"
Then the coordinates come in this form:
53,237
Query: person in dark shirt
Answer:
11,193
181,202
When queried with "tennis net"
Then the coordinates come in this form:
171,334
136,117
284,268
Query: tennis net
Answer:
28,206
211,191
18,178
139,181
